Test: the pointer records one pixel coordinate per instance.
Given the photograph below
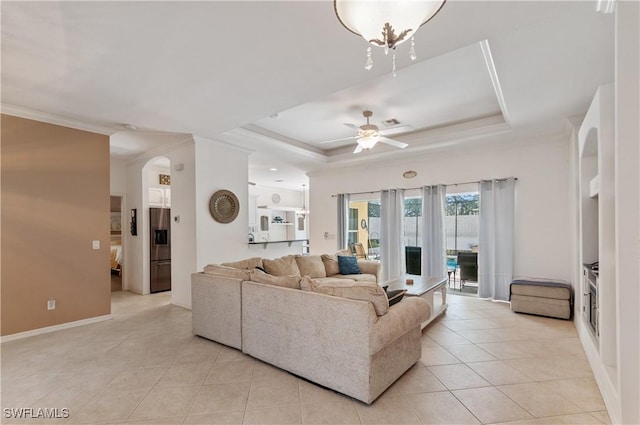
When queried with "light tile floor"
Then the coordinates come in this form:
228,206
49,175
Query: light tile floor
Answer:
481,363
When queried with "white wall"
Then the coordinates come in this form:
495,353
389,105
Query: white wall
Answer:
118,177
220,166
288,197
134,255
183,222
542,244
627,207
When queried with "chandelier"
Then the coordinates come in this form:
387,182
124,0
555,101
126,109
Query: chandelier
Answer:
304,211
386,24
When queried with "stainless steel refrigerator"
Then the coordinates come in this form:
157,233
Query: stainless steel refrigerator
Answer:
160,249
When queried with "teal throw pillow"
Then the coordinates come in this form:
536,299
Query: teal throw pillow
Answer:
348,265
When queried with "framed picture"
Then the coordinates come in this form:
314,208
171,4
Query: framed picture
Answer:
134,222
165,179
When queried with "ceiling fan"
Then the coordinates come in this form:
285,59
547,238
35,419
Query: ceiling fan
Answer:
369,135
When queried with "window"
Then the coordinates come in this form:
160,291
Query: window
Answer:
353,226
364,225
413,221
462,222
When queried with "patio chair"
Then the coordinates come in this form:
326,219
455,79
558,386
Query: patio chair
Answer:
468,263
358,249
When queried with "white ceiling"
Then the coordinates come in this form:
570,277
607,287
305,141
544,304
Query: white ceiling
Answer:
221,69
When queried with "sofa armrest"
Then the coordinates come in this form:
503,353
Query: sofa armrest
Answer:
370,267
216,308
400,319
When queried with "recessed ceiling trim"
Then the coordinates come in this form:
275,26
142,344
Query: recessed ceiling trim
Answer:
433,142
49,118
242,134
493,74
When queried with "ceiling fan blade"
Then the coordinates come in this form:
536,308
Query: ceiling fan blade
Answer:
392,142
358,148
338,140
355,127
396,130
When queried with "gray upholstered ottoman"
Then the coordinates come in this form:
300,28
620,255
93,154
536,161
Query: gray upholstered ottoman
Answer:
543,297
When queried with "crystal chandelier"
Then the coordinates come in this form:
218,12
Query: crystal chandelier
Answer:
386,24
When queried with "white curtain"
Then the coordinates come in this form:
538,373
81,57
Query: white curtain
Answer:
434,256
392,233
343,220
495,244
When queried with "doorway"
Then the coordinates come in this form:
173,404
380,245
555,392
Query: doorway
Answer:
116,243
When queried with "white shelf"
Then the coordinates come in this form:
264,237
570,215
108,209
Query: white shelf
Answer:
278,208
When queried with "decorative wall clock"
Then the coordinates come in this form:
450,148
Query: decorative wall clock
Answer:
275,198
224,206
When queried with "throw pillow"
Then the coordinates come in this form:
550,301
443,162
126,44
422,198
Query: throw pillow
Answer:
311,265
249,263
330,264
286,281
331,261
395,296
225,271
363,291
348,265
283,266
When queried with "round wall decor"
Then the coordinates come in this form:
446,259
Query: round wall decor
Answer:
224,206
275,198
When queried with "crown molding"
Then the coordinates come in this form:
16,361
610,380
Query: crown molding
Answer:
606,6
49,118
161,151
572,124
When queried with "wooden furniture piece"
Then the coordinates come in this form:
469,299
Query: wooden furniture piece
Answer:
425,288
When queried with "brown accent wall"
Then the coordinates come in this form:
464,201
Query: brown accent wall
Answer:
55,202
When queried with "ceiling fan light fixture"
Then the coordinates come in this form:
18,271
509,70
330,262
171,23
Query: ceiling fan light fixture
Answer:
386,24
368,142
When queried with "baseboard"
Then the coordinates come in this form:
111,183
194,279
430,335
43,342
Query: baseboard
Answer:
600,373
54,328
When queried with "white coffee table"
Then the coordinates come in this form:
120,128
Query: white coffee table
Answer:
424,287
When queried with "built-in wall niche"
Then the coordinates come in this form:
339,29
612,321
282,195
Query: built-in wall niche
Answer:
590,188
159,180
596,291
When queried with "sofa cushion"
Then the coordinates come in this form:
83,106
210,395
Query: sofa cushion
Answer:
346,288
331,261
332,280
226,271
362,277
348,265
311,265
249,263
283,266
286,281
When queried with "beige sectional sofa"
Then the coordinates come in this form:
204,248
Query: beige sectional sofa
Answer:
335,330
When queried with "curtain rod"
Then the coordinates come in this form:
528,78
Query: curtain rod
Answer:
415,188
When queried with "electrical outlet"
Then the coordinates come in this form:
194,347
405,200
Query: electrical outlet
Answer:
96,244
51,304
